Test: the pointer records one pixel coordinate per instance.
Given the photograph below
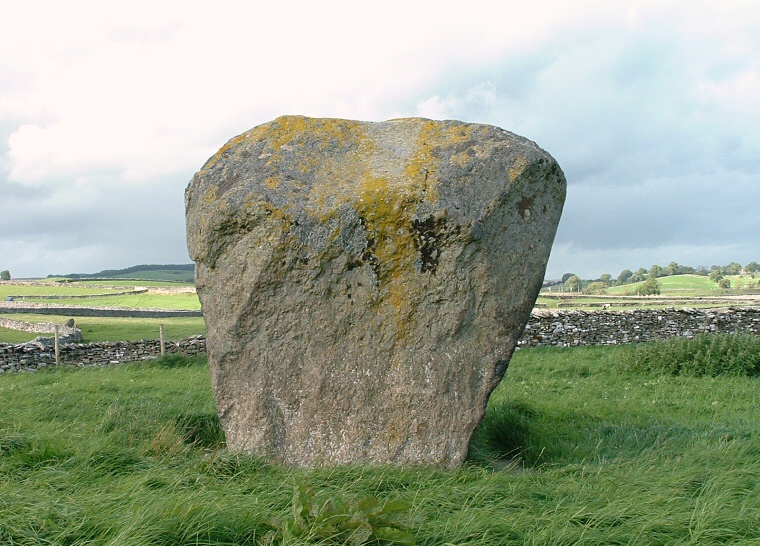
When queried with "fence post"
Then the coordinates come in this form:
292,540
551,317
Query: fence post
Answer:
57,350
161,332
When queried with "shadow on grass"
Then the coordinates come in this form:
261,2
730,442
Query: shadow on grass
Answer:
173,360
516,434
201,429
32,453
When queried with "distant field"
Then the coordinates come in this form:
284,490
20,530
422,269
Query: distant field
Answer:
186,301
96,329
178,300
134,329
64,290
164,272
14,336
107,328
691,290
695,285
681,287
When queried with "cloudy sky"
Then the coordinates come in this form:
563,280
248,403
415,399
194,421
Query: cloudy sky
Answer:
651,108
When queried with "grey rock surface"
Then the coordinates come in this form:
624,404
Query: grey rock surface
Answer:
364,284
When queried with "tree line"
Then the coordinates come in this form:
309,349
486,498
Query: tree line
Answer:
650,286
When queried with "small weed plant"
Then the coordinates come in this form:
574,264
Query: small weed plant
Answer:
334,521
705,355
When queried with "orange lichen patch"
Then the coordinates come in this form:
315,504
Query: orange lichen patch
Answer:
272,182
286,129
422,167
210,196
460,159
315,148
421,170
517,168
329,133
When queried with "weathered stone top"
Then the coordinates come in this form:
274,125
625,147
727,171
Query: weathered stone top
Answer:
304,169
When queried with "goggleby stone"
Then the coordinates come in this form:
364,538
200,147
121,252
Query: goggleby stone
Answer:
364,284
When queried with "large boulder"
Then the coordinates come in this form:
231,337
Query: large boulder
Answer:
364,284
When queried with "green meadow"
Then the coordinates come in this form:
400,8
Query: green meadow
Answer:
692,285
7,290
96,329
106,328
675,290
149,300
582,446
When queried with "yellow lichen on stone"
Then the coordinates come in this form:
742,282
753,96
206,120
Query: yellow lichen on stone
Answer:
272,183
460,159
210,195
421,169
387,211
288,128
517,168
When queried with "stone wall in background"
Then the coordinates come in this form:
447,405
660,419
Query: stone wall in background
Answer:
545,328
574,328
37,327
40,354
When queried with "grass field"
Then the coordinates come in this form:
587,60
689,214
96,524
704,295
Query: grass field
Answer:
96,329
678,290
52,289
131,282
693,285
681,286
186,301
171,300
107,328
15,336
133,455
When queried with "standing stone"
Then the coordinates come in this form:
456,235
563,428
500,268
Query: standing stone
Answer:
364,284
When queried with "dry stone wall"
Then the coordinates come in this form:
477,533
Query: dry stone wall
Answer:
40,354
37,327
574,328
545,328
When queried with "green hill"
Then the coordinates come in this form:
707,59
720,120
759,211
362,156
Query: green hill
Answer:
688,285
151,272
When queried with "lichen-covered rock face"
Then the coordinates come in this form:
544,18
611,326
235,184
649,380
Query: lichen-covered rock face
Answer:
364,284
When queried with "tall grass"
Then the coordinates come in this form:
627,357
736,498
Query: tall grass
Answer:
702,355
574,450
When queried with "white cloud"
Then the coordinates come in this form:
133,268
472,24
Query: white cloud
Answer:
103,101
480,98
